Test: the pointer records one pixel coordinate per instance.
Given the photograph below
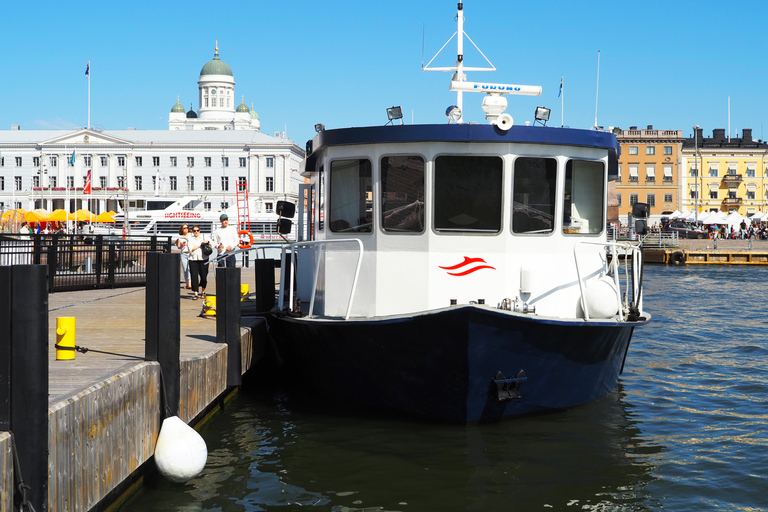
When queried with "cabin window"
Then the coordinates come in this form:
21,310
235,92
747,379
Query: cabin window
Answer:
468,191
533,195
583,201
402,194
351,188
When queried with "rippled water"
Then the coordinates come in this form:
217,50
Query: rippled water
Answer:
686,430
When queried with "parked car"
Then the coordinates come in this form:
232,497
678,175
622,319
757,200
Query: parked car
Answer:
683,230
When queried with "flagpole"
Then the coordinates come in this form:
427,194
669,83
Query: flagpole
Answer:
597,89
562,102
88,76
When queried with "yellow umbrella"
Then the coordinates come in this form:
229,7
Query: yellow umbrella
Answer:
85,215
105,217
38,215
18,213
60,216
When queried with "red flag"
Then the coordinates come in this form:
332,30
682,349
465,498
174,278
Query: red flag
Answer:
87,187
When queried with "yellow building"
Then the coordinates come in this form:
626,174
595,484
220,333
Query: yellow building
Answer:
649,170
724,173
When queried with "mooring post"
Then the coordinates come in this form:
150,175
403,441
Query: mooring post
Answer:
24,373
264,270
228,320
162,331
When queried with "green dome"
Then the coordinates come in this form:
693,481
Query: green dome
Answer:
242,107
216,66
254,115
177,108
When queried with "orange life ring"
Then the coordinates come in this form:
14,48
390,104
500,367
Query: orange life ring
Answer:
243,244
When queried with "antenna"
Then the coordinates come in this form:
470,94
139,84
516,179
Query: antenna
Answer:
423,35
597,90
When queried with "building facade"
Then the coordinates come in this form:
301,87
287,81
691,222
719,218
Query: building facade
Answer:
649,170
724,173
205,155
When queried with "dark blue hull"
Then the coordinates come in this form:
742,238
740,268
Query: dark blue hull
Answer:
442,364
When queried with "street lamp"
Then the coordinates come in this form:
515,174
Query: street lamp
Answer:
189,174
223,181
698,171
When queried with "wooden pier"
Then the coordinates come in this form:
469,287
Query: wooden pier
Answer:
706,252
105,410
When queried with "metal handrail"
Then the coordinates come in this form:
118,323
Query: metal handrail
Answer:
632,249
292,247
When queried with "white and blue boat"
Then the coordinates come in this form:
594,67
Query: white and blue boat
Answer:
459,271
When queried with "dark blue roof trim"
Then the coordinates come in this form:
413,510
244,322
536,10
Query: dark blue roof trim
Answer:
460,133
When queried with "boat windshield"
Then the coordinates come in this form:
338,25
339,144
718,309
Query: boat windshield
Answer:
533,195
468,193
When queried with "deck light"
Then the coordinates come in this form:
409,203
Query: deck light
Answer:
453,113
542,115
395,113
319,127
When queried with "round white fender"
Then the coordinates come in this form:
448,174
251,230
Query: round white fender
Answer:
505,122
601,298
180,452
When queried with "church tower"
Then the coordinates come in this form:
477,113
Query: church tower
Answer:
216,90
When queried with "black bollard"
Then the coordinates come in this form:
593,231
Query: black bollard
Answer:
162,332
265,284
228,320
24,372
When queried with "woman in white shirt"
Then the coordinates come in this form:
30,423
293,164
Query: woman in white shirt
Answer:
181,243
198,262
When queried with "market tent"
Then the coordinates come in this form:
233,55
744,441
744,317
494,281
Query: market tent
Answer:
38,215
60,216
675,214
18,214
85,216
106,217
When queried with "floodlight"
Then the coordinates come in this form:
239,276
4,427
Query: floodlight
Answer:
453,113
395,113
319,127
542,114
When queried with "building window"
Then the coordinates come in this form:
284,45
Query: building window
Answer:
173,161
224,183
224,205
270,161
268,207
632,199
206,101
2,182
17,180
137,183
633,173
121,181
225,161
18,161
667,198
87,161
103,161
732,194
712,172
750,173
270,184
36,161
35,181
667,150
174,183
751,194
632,150
694,172
241,183
713,194
102,182
70,181
242,161
138,161
650,199
154,182
207,206
668,173
190,161
207,161
650,150
155,161
618,199
121,161
54,161
2,161
650,173
190,183
694,194
53,181
207,183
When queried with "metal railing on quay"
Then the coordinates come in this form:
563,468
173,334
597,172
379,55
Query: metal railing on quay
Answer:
81,262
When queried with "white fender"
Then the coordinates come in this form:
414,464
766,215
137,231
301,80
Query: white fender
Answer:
180,452
601,296
505,121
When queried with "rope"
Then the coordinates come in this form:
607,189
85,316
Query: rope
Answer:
86,349
21,487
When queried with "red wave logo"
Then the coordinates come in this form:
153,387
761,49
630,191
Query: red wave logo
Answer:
468,266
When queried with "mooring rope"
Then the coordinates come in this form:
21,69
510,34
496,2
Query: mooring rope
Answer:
22,488
86,349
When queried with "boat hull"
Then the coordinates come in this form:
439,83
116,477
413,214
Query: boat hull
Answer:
442,364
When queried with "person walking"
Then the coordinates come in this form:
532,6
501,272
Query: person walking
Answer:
226,240
183,244
198,262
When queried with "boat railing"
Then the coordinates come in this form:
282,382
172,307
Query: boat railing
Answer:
631,252
293,247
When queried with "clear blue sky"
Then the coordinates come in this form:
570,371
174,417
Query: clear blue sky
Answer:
342,63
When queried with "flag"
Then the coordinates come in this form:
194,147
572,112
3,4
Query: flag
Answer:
87,187
88,71
561,86
72,158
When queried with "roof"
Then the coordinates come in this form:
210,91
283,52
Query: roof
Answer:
42,137
216,66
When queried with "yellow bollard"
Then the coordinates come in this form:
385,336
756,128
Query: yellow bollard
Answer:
244,289
209,306
65,337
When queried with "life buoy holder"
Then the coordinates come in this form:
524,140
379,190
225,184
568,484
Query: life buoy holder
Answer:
677,258
243,244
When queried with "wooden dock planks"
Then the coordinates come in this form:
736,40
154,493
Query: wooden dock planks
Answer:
6,472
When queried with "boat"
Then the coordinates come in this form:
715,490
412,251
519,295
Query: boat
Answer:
164,215
459,272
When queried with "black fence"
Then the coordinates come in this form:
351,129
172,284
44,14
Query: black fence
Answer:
82,262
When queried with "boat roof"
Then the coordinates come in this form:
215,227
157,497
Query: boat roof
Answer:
475,133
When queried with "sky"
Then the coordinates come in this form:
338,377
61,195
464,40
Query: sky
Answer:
341,63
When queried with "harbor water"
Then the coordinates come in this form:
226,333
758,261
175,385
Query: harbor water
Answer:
686,430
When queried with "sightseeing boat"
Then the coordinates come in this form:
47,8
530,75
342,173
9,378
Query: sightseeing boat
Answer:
459,271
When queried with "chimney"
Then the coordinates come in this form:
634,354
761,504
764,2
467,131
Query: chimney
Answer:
15,127
718,134
650,127
746,134
633,127
700,133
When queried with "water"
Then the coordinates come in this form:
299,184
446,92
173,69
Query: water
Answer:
686,430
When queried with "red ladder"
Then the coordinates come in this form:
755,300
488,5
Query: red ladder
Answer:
243,215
